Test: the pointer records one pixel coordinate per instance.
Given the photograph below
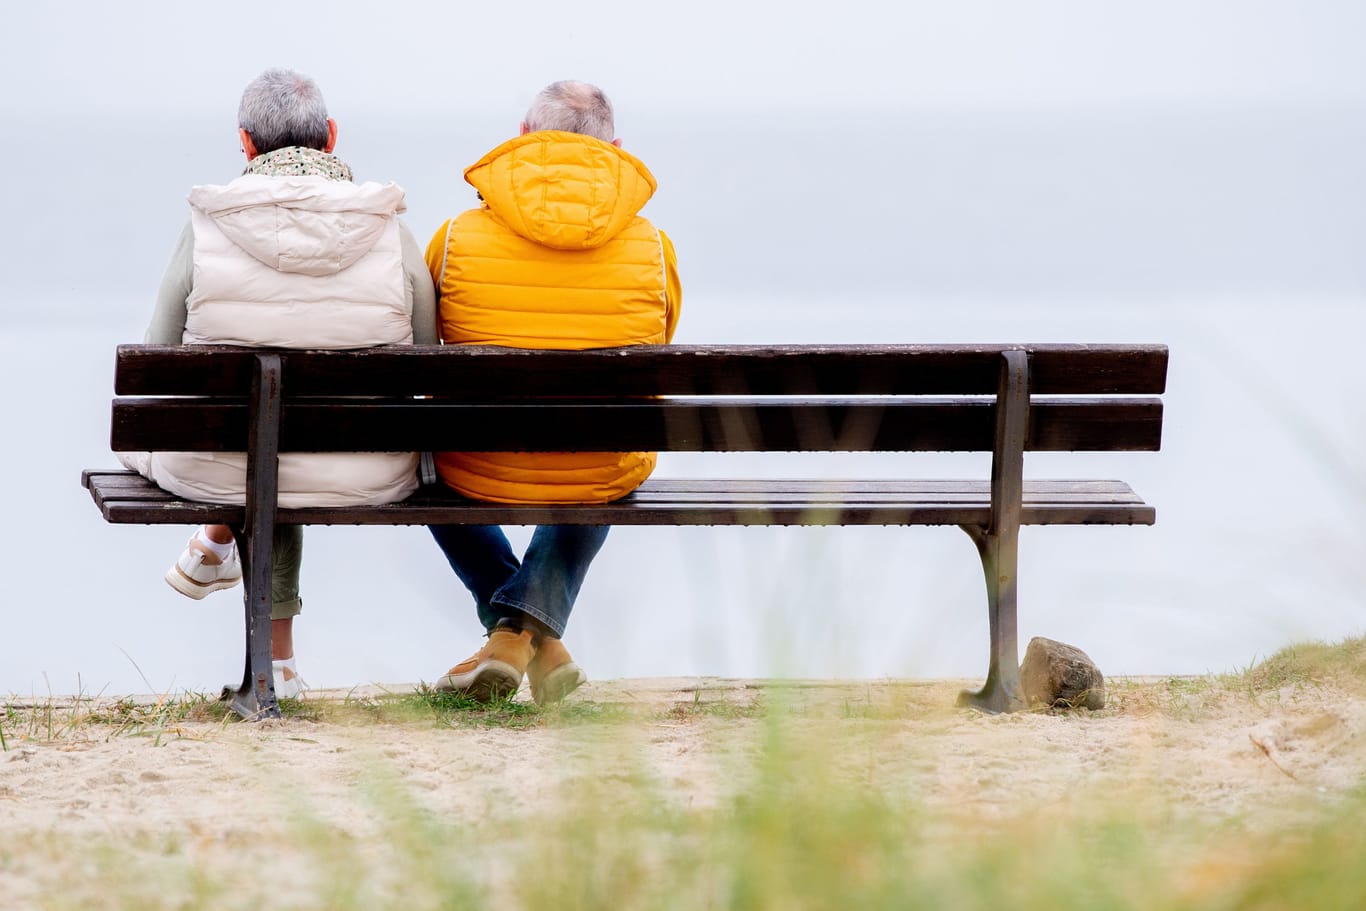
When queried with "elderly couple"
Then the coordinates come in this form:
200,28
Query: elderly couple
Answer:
293,254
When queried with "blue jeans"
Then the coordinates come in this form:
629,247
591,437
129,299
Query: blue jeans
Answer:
544,584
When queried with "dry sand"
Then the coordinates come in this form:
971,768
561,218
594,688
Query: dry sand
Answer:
1222,755
1214,754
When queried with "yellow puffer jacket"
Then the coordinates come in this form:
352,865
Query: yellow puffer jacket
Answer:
557,257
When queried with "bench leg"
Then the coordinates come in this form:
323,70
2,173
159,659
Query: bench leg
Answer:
1002,691
255,697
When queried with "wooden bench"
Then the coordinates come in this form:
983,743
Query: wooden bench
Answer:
1003,399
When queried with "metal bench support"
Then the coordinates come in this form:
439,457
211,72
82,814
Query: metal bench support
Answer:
255,697
998,544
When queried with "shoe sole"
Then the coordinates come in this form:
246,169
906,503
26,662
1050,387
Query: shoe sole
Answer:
559,683
489,681
190,588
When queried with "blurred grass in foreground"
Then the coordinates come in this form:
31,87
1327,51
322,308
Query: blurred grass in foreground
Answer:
783,834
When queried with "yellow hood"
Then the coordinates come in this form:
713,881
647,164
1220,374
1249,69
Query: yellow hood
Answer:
562,190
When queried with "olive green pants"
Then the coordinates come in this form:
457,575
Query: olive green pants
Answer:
287,552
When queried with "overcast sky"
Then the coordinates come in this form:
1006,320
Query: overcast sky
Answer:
968,105
113,57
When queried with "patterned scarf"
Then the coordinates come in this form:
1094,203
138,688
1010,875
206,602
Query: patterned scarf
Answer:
297,161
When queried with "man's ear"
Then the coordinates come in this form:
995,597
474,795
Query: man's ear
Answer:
523,129
331,135
248,146
616,142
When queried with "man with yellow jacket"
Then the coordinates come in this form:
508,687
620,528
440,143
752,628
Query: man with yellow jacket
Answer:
557,256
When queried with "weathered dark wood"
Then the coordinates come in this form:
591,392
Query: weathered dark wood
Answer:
1012,413
460,371
673,425
127,498
110,480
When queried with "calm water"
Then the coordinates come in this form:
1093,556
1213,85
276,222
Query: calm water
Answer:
1225,238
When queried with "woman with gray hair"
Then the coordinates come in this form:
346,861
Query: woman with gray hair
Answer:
291,254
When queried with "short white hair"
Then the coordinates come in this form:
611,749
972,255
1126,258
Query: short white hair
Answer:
575,107
282,108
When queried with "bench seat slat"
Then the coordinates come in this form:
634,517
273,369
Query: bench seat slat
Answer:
124,497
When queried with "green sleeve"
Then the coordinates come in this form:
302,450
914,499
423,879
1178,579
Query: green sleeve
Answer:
419,284
168,319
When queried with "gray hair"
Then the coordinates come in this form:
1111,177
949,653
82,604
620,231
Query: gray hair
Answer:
282,108
575,107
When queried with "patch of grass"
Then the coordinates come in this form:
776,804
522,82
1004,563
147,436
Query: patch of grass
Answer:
701,707
53,720
459,710
1310,665
1309,670
165,711
429,706
299,710
425,705
84,718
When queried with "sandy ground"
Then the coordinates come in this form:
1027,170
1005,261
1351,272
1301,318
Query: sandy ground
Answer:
1214,754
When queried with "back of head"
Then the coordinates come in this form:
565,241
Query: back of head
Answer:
282,108
574,107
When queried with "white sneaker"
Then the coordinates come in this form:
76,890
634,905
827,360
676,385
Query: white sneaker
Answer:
291,687
200,571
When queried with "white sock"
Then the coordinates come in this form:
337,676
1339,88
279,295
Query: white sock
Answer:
222,551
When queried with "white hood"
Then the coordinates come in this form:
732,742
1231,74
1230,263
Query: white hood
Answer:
303,225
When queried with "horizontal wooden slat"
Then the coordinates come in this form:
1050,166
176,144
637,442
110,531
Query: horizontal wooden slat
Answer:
482,372
675,425
124,497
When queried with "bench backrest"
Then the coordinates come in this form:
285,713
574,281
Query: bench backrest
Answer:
669,398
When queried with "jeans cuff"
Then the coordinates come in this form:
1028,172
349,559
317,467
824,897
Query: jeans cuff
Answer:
550,627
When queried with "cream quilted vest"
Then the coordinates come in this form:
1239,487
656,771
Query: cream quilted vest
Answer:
295,262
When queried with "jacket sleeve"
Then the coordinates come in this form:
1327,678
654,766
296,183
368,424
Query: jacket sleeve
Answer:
168,317
673,288
418,282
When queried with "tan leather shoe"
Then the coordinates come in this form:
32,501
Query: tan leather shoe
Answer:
494,671
553,673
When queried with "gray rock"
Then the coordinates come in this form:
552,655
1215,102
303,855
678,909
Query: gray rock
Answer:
1059,675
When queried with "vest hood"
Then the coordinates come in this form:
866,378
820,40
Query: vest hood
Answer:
562,190
304,225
